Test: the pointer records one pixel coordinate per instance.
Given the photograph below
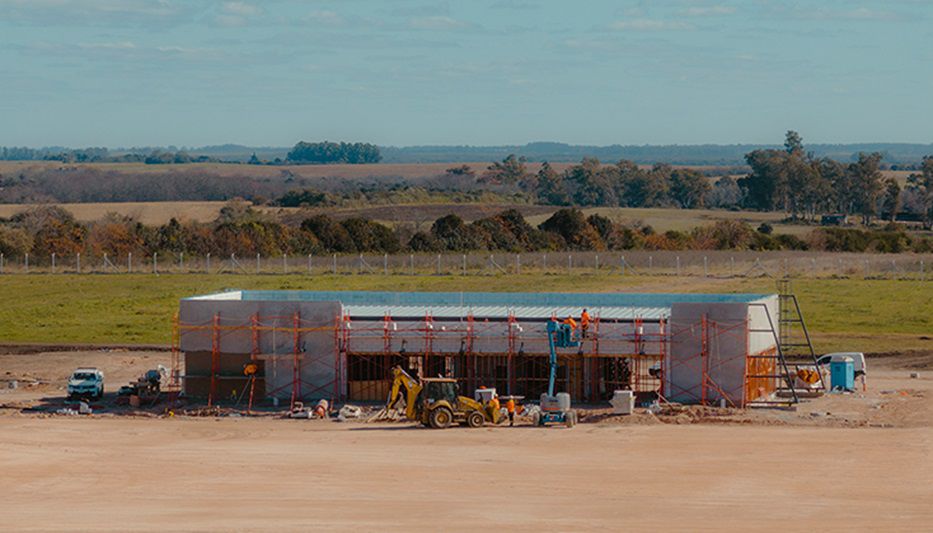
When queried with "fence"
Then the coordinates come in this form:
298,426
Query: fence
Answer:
718,264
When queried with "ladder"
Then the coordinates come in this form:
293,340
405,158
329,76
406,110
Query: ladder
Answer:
794,336
781,370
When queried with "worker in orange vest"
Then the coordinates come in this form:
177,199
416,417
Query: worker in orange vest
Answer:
584,323
510,407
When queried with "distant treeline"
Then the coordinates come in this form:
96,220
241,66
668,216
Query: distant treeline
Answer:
240,230
904,156
790,179
302,153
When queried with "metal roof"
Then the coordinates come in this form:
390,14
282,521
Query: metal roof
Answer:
501,311
524,305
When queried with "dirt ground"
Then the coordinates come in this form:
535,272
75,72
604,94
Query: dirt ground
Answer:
861,460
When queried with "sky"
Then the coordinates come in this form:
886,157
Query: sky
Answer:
478,72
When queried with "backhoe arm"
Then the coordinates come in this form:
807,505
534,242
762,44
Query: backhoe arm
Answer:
412,388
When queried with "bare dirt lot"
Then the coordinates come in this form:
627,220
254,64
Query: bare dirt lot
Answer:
861,460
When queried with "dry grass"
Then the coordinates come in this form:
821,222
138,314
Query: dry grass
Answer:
146,212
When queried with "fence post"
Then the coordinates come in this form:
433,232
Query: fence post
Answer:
181,262
385,264
129,262
597,263
569,263
705,267
677,269
207,265
77,263
464,264
27,263
622,265
923,275
53,262
1,263
257,262
335,264
518,263
411,264
732,266
438,264
544,262
284,263
650,261
155,262
309,265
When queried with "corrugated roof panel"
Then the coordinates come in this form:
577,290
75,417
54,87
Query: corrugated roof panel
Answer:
520,312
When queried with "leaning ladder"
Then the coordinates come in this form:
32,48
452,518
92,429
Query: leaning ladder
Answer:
795,337
782,369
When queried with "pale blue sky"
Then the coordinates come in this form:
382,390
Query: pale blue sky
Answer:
398,72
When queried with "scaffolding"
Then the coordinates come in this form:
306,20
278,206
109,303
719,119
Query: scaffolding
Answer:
615,355
227,373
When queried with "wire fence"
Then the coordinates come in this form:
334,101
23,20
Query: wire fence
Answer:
714,264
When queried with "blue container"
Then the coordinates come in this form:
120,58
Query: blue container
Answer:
842,373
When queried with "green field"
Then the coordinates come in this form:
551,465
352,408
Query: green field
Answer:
868,315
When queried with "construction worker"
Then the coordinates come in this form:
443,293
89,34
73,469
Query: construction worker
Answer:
510,407
584,323
571,322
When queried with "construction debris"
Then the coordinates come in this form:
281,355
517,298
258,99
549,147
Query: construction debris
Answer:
349,411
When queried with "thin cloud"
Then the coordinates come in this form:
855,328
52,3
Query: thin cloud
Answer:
707,11
436,23
242,9
123,45
325,17
858,14
650,25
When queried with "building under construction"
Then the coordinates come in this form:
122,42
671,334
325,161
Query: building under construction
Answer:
342,345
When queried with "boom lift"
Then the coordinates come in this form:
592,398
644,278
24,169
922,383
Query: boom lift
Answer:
556,408
435,403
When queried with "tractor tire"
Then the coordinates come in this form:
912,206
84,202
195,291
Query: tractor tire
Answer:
475,419
441,418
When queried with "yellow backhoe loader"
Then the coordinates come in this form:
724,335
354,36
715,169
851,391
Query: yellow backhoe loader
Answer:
435,403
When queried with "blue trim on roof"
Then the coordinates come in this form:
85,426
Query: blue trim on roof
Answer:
497,298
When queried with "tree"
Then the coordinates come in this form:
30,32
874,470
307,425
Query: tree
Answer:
453,234
423,241
688,188
921,186
332,236
648,189
369,236
891,198
765,185
462,170
840,195
592,185
509,171
864,175
572,227
793,143
330,152
305,198
725,193
551,189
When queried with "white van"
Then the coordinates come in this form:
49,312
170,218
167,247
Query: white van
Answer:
858,361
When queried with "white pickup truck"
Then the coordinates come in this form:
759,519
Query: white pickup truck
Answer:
86,383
